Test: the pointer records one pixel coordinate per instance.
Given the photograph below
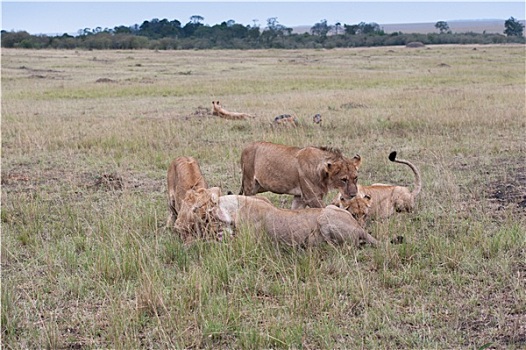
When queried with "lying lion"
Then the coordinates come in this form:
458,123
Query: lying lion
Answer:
381,200
223,113
304,227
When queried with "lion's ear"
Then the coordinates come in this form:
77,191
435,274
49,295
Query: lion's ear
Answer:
215,193
357,160
368,200
327,168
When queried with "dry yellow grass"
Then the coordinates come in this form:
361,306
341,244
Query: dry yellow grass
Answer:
87,137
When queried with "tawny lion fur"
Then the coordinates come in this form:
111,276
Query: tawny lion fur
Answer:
183,174
194,219
304,227
359,206
385,200
306,173
223,113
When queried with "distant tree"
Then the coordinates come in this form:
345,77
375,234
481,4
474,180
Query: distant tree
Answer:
273,24
156,29
320,29
513,27
442,26
196,19
274,30
13,39
337,28
122,30
85,31
190,27
351,29
370,28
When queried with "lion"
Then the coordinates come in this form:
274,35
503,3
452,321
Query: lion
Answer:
359,206
183,174
194,219
223,113
306,173
303,227
386,199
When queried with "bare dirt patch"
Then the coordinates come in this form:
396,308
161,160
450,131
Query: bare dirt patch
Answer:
202,112
511,191
109,181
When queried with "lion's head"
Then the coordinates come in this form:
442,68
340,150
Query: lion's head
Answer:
358,206
343,175
195,219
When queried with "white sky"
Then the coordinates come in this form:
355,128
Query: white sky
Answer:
42,17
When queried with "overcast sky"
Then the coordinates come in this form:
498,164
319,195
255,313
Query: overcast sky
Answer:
42,17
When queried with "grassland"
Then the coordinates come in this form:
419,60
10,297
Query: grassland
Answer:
87,137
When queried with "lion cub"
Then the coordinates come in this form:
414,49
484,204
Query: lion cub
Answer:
382,200
358,206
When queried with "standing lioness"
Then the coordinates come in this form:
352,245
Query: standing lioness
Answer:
183,174
306,173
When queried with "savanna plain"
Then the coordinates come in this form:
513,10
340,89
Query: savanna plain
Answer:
87,137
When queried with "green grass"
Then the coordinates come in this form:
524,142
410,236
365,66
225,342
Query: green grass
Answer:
88,263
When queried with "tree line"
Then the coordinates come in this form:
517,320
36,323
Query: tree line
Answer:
172,35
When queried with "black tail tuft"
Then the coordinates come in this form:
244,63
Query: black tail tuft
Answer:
392,156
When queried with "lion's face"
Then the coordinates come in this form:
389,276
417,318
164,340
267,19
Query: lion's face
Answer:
358,206
344,175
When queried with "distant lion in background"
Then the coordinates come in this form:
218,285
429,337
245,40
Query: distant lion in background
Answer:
223,113
383,200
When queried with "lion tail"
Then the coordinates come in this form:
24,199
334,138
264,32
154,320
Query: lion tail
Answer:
416,172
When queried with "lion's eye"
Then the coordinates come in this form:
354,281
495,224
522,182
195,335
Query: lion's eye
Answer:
345,180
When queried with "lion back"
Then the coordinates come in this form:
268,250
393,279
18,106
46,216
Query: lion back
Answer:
268,167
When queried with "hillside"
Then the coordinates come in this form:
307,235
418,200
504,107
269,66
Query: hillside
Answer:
458,26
